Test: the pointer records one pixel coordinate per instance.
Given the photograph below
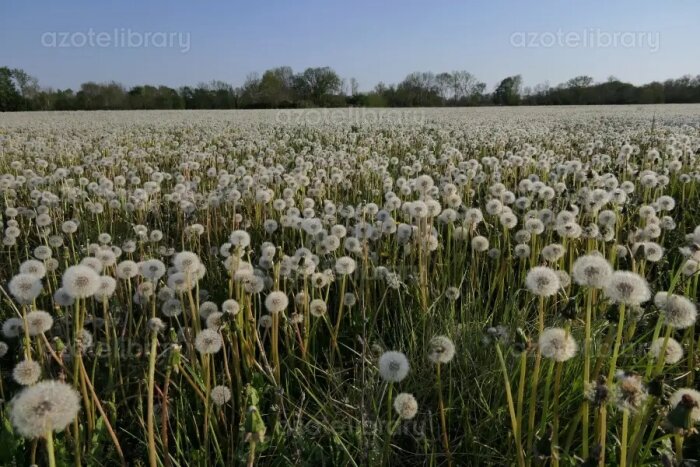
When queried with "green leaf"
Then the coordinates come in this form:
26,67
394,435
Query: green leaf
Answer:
10,443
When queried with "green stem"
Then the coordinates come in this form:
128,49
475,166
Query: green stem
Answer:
586,373
511,406
443,421
623,440
555,415
618,341
50,449
151,385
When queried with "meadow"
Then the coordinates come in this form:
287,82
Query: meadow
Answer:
494,286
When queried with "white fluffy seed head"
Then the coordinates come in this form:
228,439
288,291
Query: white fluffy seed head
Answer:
630,392
127,269
12,327
674,351
215,320
171,308
441,349
187,262
393,366
317,307
405,406
276,301
678,311
220,395
156,325
591,271
480,244
208,341
25,287
106,288
230,306
557,344
542,281
152,269
26,372
627,288
80,281
38,322
44,407
345,265
691,399
34,268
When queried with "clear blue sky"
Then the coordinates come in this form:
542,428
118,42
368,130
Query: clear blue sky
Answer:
381,40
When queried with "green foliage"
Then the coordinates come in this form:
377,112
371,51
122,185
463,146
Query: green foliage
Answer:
322,87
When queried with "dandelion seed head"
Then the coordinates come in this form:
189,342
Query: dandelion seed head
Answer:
678,311
441,349
25,287
627,288
276,301
317,307
208,341
220,395
46,406
171,308
480,244
542,281
345,266
629,392
152,269
26,372
406,406
207,308
33,268
691,399
80,281
156,325
591,271
674,351
393,366
38,322
230,306
557,344
215,320
187,262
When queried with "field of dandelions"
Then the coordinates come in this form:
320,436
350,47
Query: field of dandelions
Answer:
423,287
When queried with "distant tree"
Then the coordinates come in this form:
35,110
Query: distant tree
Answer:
317,84
445,85
354,87
10,97
28,85
321,86
249,94
508,91
580,82
276,87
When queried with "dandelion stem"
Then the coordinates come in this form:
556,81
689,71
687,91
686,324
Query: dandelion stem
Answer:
443,422
149,410
511,406
618,341
623,438
50,449
535,380
586,372
555,414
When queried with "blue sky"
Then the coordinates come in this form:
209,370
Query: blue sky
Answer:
381,40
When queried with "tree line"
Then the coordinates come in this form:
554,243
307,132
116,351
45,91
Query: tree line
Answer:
281,87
